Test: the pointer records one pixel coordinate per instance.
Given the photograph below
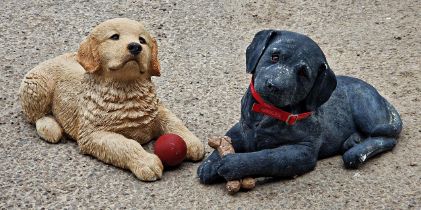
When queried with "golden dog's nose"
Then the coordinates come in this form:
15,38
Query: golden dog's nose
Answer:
134,48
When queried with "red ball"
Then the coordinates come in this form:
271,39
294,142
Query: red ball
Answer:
171,149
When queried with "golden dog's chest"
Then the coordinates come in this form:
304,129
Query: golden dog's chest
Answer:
128,109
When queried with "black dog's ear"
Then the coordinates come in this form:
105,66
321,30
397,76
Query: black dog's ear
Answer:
323,87
255,50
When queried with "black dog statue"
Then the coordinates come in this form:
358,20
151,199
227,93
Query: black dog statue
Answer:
297,111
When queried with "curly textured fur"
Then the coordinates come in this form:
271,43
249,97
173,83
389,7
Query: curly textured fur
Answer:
102,96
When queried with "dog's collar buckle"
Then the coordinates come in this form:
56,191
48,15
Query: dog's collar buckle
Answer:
292,119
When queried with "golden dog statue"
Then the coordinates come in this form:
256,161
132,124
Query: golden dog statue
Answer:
103,97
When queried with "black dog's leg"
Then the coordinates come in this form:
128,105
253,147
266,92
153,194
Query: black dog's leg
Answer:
373,115
375,118
207,171
370,147
284,161
236,135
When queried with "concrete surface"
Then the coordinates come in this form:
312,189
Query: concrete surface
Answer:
202,45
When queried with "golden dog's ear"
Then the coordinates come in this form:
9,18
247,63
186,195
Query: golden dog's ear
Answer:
154,67
88,56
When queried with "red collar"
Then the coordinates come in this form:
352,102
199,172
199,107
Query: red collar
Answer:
268,109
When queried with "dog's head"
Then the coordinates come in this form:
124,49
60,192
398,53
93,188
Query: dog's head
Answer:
289,69
119,48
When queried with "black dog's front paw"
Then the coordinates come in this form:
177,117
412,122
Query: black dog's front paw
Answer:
208,172
231,167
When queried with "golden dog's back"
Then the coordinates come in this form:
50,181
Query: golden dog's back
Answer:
53,87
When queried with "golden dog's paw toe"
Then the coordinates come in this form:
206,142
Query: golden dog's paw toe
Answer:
195,151
146,174
148,169
49,129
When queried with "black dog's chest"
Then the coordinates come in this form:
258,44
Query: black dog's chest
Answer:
271,133
264,132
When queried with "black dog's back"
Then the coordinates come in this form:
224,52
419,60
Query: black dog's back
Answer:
354,112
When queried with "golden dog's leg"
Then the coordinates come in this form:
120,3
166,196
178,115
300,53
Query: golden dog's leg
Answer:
122,152
49,129
171,124
36,93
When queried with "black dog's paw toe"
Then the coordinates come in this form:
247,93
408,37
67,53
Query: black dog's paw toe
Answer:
208,173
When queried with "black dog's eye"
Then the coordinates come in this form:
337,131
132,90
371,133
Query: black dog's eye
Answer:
142,40
115,37
275,58
302,71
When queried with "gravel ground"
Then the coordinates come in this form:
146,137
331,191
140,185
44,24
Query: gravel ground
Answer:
202,47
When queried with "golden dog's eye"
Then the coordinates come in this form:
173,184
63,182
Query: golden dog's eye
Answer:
142,40
275,58
115,37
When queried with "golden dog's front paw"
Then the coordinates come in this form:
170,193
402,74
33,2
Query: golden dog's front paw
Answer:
147,168
195,150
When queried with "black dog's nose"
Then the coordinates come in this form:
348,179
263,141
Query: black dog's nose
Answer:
134,48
